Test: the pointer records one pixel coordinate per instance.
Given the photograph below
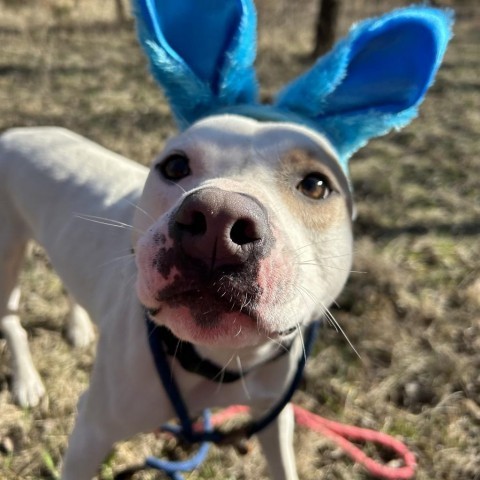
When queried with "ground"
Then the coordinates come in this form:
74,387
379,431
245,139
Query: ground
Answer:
411,307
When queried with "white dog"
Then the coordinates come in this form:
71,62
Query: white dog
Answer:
233,256
241,238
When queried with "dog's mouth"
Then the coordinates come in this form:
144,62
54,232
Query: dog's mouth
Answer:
287,332
207,309
213,302
207,314
207,303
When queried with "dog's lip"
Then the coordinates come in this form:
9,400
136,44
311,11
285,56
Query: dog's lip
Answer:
180,293
234,301
286,332
190,297
153,311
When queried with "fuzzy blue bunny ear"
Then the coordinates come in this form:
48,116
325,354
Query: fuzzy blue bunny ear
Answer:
373,80
201,52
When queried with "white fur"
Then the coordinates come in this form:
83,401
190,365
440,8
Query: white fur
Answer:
52,180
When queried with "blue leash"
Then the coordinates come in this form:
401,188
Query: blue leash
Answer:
208,435
173,468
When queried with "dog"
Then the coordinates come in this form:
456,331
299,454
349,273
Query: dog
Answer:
240,237
227,263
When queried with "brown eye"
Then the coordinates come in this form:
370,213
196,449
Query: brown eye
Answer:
315,186
175,167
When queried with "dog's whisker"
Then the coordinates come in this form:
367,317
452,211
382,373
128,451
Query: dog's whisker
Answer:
296,289
314,244
299,329
177,346
279,344
325,311
313,263
140,209
308,293
242,377
115,260
244,303
108,222
121,254
176,184
124,251
221,374
333,301
339,328
330,321
331,257
248,301
155,326
315,300
131,280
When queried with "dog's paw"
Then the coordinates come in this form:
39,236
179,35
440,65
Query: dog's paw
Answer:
27,388
80,330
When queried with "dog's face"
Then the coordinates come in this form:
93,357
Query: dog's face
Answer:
246,232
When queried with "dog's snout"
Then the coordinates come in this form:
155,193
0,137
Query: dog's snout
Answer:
221,228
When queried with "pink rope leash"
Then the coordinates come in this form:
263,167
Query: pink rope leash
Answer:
342,435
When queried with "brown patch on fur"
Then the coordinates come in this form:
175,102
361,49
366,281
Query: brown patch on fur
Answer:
316,214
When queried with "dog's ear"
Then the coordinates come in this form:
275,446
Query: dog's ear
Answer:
201,52
374,79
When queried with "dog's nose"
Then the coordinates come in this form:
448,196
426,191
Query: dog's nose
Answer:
221,228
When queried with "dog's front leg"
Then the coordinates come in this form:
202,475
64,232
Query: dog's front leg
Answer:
100,420
91,439
277,444
89,444
125,396
27,386
80,330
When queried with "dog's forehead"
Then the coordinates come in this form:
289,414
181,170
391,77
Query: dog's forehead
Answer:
243,136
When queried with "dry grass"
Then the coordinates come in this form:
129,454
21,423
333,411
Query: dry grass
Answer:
414,315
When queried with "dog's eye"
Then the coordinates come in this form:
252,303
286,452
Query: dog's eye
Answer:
175,167
315,186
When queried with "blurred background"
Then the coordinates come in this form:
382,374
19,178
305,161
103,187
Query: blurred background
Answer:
412,305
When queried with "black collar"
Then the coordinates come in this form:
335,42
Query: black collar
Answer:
186,429
188,357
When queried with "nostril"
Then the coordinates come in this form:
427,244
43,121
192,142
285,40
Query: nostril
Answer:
244,231
219,228
195,223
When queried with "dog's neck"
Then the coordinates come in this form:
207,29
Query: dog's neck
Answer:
245,358
227,367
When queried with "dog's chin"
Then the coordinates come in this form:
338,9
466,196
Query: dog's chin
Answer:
227,330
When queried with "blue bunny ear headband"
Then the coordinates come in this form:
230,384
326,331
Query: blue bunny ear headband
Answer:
202,52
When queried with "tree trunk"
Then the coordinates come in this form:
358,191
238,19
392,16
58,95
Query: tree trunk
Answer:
121,14
326,26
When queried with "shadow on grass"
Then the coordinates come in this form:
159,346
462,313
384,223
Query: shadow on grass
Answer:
25,71
114,120
377,231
